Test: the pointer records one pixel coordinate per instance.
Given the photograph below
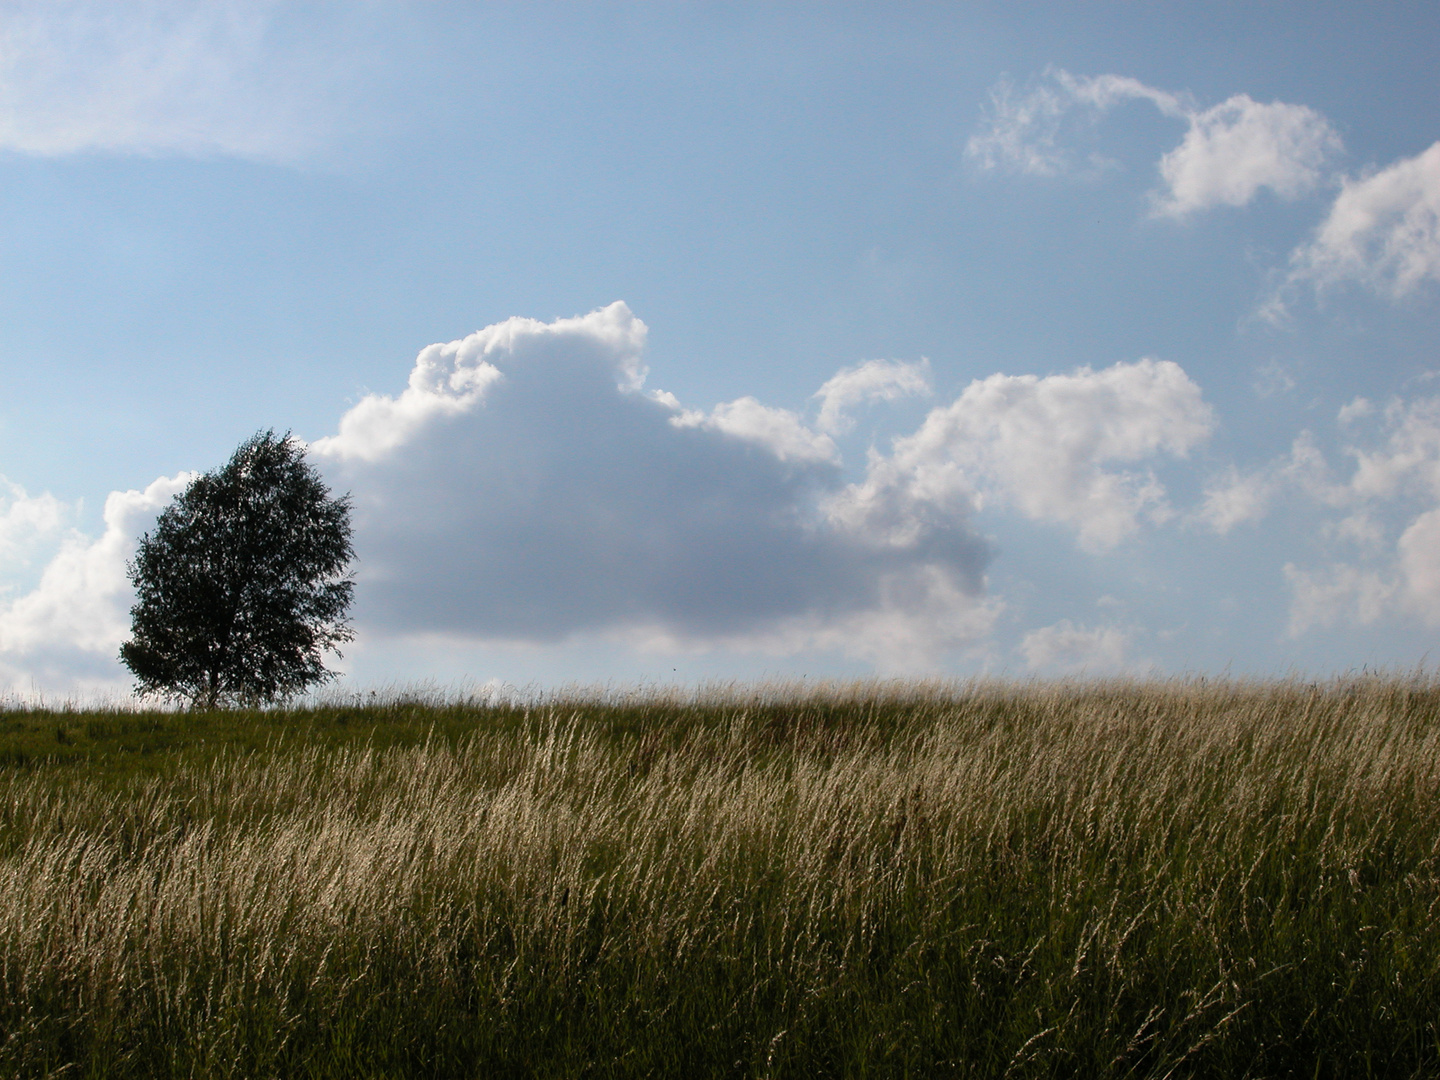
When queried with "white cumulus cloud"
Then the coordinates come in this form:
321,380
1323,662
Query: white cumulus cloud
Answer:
450,378
1237,148
26,523
1418,558
68,629
527,487
1071,449
1382,233
1230,153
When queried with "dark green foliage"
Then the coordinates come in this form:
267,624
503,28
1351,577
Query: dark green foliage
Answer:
241,586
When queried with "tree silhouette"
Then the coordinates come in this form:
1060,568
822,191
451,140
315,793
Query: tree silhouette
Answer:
242,585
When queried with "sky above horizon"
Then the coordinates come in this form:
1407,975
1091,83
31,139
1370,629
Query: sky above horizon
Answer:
686,342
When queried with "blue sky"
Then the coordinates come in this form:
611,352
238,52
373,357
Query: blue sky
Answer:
769,340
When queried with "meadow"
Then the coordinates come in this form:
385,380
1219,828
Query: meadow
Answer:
1183,878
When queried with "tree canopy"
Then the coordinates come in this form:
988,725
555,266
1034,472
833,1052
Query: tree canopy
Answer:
241,587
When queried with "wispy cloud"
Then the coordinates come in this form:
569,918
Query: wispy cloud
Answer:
1068,649
191,77
1380,519
1233,498
874,380
1337,593
1020,133
779,431
1029,132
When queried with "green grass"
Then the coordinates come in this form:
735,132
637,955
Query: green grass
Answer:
1183,879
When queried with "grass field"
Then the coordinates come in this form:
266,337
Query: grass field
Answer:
1106,879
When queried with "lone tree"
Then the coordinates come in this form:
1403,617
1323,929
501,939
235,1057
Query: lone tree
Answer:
242,585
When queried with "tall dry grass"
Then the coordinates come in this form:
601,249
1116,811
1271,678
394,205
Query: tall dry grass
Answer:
1181,878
